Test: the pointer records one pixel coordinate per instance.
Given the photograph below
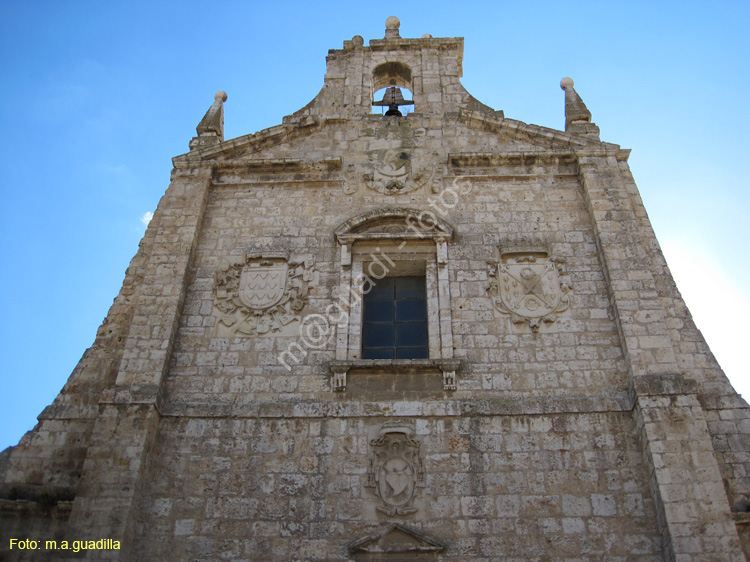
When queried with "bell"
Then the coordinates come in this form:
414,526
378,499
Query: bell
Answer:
392,98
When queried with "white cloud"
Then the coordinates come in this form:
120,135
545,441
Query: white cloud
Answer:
146,218
718,306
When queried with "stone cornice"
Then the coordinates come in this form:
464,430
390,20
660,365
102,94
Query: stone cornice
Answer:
552,138
266,138
279,165
25,509
507,158
401,44
546,139
512,405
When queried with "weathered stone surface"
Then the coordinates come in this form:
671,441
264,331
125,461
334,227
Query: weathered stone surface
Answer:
568,408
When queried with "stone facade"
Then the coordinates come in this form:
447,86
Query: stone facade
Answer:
567,408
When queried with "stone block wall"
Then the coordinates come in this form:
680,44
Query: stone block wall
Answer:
564,486
538,439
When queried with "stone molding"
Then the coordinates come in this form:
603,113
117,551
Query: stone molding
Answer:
356,228
413,543
509,158
26,508
449,368
511,406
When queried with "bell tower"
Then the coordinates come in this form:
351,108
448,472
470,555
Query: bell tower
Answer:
430,68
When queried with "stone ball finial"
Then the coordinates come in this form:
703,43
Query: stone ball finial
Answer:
392,23
358,41
426,36
221,96
565,82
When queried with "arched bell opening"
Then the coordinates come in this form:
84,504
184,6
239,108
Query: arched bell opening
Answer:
392,89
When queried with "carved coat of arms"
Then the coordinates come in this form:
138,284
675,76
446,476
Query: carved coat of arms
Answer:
529,288
263,283
391,172
396,469
262,294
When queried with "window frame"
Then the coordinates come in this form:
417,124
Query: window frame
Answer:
403,240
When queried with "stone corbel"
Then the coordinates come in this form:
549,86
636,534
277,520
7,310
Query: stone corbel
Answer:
338,380
449,369
449,380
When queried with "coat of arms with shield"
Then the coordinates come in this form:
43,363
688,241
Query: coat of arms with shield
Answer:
396,469
262,283
261,294
527,285
393,172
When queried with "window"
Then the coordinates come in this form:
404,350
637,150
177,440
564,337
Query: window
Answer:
394,289
394,319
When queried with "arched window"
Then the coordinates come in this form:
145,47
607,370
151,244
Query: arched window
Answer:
395,291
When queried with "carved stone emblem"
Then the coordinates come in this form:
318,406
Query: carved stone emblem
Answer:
263,293
527,286
391,172
396,469
262,283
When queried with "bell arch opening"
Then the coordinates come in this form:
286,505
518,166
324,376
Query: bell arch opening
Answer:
391,74
392,92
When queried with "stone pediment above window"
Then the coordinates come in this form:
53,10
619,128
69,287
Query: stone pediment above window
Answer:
396,542
394,223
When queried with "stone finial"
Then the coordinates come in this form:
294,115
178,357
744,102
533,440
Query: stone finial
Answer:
391,27
213,120
577,115
211,128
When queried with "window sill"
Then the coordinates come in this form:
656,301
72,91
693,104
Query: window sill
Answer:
448,367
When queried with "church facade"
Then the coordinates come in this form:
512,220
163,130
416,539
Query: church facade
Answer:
436,334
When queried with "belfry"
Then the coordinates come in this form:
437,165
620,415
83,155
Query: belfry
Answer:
397,326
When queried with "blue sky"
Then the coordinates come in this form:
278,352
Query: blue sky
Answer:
97,97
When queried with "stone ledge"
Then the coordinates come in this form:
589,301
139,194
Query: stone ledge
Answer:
448,367
491,160
277,165
26,508
397,365
722,402
661,385
509,406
